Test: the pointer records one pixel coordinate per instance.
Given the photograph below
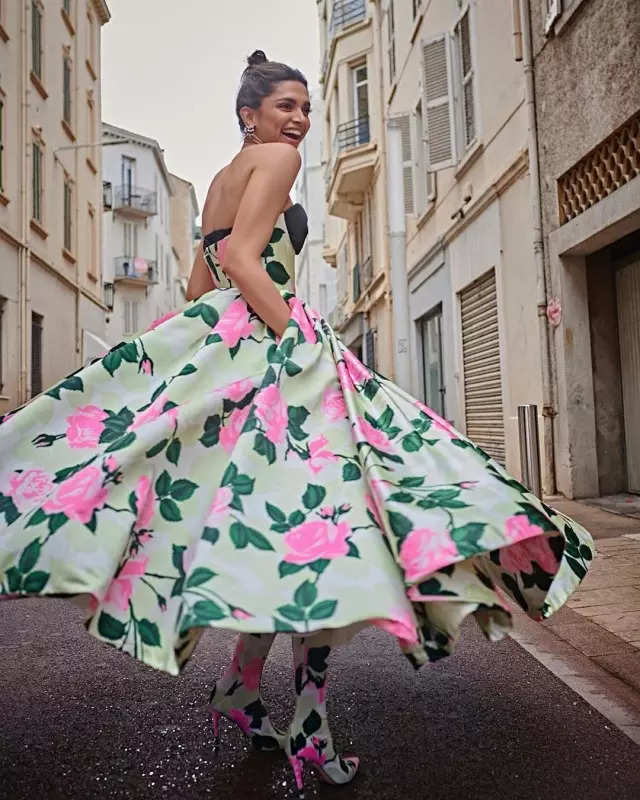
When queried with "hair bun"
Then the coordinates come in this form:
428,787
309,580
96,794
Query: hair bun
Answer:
256,58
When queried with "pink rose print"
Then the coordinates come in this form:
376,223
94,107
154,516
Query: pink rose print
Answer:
219,507
79,495
234,324
319,455
402,626
144,502
326,511
357,370
241,719
85,426
346,384
312,540
518,528
146,366
238,613
310,753
438,423
299,315
29,488
221,249
271,410
237,390
230,432
121,588
252,672
373,436
333,405
519,557
160,320
153,413
373,508
424,551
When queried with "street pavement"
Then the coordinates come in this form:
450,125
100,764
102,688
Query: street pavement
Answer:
80,721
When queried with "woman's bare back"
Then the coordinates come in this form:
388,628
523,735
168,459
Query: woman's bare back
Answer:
226,190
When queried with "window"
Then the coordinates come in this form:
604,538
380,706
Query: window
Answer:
36,182
424,181
66,89
92,135
130,239
416,7
370,348
430,332
128,179
130,316
1,144
391,42
66,4
36,39
462,35
3,301
68,214
93,242
359,78
36,354
407,163
437,103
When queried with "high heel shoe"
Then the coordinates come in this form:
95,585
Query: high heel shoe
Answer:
336,771
252,719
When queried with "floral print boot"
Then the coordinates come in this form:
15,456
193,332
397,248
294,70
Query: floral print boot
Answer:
236,695
309,740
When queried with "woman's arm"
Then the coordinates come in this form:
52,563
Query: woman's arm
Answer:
264,197
200,280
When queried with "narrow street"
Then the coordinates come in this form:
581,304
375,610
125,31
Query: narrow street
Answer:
490,723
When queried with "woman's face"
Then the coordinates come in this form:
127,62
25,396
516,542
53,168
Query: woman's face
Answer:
283,115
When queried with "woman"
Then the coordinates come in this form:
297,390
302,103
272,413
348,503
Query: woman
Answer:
236,466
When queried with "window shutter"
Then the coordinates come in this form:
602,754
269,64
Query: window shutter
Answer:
438,103
467,79
369,348
407,163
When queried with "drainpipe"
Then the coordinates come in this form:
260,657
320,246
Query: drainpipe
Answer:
397,256
23,254
549,486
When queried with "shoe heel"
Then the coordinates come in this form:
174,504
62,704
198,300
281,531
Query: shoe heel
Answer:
297,765
215,721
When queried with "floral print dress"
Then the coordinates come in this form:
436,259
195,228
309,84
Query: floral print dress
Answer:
209,473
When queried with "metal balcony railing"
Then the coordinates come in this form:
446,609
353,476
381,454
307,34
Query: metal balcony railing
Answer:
136,269
351,134
366,272
356,282
346,12
136,199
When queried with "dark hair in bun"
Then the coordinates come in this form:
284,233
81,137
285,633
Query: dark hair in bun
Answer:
259,80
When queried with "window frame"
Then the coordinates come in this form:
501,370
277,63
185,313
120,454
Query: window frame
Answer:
37,323
37,145
2,130
67,89
3,302
461,80
391,43
37,12
67,219
435,313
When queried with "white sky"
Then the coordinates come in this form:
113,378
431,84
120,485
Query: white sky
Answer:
171,71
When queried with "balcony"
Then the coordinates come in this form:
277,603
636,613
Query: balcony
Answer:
135,271
134,201
350,170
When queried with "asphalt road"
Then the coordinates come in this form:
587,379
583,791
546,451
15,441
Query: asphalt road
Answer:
80,721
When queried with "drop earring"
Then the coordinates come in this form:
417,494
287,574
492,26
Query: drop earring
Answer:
250,133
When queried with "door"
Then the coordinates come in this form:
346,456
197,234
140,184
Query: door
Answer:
481,363
128,179
628,290
361,103
432,368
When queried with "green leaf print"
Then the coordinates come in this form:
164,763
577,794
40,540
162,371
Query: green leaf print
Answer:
306,594
353,550
282,627
259,541
129,352
269,377
287,348
239,535
319,565
384,420
177,556
119,444
206,611
297,414
401,497
163,484
72,384
182,489
267,252
8,508
149,632
277,272
264,447
208,314
277,234
292,612
276,514
211,434
112,361
370,388
296,518
313,496
173,451
412,442
14,579
291,368
400,525
323,610
213,338
233,351
157,448
274,355
110,627
537,517
229,475
576,567
585,552
133,502
243,484
467,538
29,557
285,568
211,535
170,510
56,521
188,369
200,575
36,518
351,472
93,523
116,424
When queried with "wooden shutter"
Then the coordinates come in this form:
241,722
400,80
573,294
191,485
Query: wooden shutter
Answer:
370,348
481,364
36,354
407,163
628,292
437,103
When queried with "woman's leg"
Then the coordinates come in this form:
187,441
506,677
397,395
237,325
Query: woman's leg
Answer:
309,737
237,694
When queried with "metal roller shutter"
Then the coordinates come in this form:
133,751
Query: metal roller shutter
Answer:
628,283
481,365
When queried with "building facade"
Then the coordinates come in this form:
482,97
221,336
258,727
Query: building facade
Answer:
586,57
51,296
140,265
355,240
315,279
185,233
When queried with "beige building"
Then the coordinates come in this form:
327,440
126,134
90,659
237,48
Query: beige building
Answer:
587,63
355,177
185,235
51,297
